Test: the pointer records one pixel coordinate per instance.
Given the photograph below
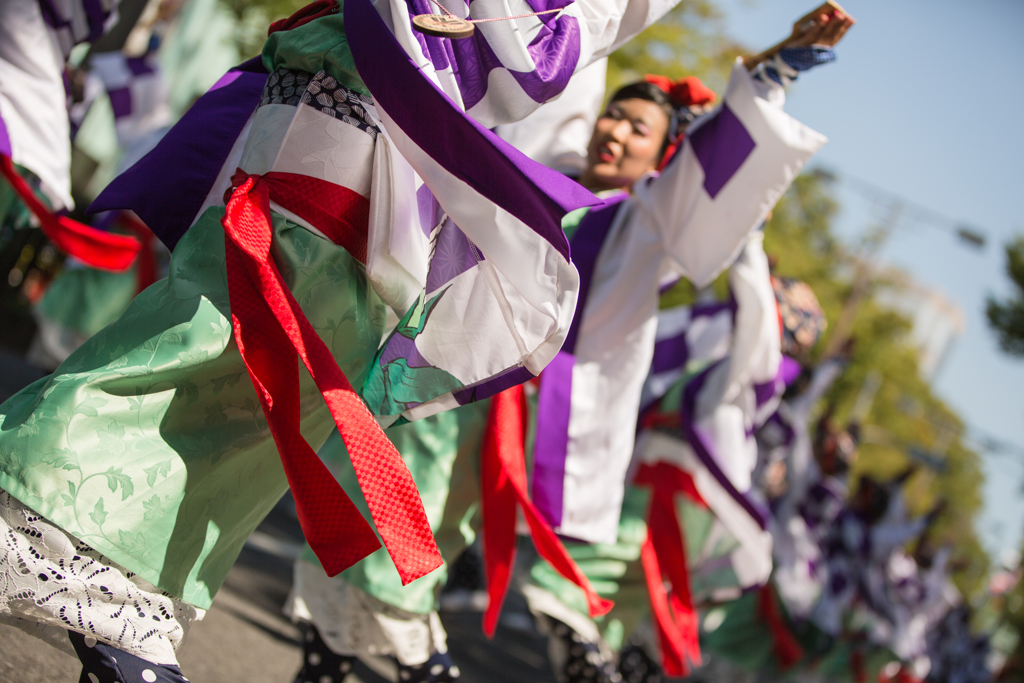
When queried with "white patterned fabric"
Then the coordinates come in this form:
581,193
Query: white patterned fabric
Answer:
672,225
354,623
33,111
558,133
51,583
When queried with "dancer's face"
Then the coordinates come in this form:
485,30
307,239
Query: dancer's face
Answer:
626,144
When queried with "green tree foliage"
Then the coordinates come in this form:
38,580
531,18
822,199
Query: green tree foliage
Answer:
688,41
1007,317
254,16
905,412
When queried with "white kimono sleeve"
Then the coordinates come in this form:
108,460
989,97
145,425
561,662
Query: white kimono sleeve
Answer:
734,165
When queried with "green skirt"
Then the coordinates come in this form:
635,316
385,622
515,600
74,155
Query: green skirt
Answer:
85,300
442,452
149,443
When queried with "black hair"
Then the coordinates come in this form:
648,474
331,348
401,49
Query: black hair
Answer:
642,90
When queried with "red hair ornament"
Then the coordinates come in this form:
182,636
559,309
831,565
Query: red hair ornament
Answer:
685,93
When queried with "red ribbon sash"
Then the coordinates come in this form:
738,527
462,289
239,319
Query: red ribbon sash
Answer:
503,488
270,329
664,555
99,249
145,269
787,650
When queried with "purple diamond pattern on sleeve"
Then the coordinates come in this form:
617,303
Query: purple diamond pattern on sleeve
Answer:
721,145
453,256
400,346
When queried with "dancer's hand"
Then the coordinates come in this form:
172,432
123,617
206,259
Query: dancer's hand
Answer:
823,27
820,28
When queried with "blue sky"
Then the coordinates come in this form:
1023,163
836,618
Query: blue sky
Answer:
926,100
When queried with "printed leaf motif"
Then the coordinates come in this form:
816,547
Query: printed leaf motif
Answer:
194,448
215,415
221,327
115,430
112,438
193,356
163,469
172,336
250,406
218,503
54,382
189,390
116,478
132,543
10,464
89,406
29,427
303,253
69,500
220,383
61,459
98,514
62,416
154,509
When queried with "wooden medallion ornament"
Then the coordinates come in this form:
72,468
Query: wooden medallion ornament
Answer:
448,25
443,25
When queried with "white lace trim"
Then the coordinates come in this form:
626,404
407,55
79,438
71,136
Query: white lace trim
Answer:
50,583
354,623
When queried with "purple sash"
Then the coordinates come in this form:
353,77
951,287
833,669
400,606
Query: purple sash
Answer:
167,187
554,401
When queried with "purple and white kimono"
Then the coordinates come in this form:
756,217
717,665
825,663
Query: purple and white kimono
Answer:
453,209
36,37
731,355
693,220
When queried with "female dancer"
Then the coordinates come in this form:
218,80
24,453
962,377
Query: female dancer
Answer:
131,477
651,229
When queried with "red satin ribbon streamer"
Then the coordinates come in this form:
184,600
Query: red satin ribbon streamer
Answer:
314,10
145,268
857,663
901,676
503,487
99,249
787,650
664,555
270,329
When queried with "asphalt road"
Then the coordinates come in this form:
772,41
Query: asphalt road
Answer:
245,637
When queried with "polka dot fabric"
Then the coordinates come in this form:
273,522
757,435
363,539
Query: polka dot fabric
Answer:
438,669
636,666
319,663
575,660
102,663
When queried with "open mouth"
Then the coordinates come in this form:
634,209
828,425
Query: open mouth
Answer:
605,155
